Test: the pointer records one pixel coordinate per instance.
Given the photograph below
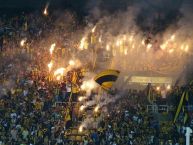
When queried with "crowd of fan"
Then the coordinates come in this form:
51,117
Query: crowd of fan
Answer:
39,31
130,124
27,100
28,115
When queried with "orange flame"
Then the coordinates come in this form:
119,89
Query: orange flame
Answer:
52,47
45,12
22,42
93,29
71,62
50,65
96,109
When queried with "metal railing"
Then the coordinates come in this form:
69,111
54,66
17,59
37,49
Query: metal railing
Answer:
64,103
158,108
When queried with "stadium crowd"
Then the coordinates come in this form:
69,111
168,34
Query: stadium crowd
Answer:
29,116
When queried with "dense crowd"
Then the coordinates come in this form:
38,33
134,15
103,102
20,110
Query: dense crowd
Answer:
29,116
130,124
27,96
28,111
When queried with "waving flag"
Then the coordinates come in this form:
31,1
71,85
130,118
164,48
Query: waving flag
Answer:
107,78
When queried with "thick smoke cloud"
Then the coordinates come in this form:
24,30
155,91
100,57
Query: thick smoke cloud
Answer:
154,15
157,16
160,18
186,30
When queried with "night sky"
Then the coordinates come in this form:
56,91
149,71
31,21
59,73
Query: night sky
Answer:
82,7
169,8
30,3
77,6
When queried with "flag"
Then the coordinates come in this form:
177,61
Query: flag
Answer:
74,77
183,106
67,115
185,109
107,78
149,93
179,107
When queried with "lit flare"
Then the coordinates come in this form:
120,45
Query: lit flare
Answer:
88,85
107,47
22,42
158,88
96,109
82,43
50,65
52,47
82,107
93,29
45,12
71,63
81,98
81,128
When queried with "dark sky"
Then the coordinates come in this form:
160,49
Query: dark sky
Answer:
30,5
76,5
80,7
22,4
19,3
169,8
12,7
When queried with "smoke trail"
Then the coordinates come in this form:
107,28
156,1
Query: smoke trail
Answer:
171,24
157,16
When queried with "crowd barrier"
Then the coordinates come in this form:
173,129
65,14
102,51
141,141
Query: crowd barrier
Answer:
63,103
158,108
